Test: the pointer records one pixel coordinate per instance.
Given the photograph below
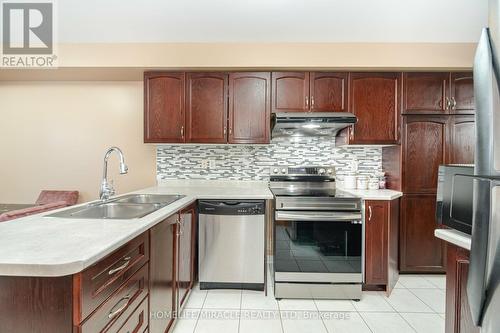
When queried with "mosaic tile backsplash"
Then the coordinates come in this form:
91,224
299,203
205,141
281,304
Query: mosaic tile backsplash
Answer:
252,162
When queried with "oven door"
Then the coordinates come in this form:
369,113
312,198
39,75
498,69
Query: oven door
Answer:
321,247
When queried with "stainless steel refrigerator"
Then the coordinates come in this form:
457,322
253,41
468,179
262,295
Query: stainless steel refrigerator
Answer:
483,286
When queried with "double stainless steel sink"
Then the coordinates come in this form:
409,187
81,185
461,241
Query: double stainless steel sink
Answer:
125,207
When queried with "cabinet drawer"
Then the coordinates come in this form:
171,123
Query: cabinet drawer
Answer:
99,281
137,322
115,312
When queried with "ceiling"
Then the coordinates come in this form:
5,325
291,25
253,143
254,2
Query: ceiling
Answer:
392,21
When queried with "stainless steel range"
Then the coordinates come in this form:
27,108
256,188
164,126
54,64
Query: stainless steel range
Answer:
318,235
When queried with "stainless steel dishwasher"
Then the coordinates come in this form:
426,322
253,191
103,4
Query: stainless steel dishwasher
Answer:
231,244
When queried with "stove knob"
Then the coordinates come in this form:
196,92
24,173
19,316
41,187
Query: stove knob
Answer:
329,171
275,170
321,171
283,171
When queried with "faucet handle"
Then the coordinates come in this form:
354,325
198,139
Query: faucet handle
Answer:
111,187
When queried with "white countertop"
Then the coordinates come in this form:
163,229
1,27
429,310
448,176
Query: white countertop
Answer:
50,246
214,189
454,237
374,194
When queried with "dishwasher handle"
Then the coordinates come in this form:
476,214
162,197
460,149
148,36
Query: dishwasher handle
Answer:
231,207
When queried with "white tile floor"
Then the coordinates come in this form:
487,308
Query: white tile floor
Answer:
415,305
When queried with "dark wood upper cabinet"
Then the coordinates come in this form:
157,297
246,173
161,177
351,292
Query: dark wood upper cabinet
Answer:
375,99
424,149
426,93
463,139
206,107
163,107
462,93
249,107
420,250
290,91
328,92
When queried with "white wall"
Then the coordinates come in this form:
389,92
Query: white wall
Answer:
395,21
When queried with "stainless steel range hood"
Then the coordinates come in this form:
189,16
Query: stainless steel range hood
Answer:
309,124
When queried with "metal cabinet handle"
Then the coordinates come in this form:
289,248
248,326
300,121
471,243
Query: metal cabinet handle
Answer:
453,103
225,130
120,268
312,101
114,313
448,103
179,223
307,101
370,213
182,130
230,131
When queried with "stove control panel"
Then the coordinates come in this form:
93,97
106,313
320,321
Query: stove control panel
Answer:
303,171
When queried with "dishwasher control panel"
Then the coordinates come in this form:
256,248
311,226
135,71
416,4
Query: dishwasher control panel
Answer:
232,207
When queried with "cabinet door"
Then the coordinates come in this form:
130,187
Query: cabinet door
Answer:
206,107
376,242
420,250
462,93
328,92
463,140
185,271
393,248
426,92
458,315
162,286
249,107
290,91
424,149
163,107
375,100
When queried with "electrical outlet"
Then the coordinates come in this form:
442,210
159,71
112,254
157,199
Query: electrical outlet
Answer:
205,164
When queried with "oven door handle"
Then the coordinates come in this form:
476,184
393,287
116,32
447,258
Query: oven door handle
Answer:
317,216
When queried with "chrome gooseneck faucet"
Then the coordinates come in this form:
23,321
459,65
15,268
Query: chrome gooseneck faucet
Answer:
107,189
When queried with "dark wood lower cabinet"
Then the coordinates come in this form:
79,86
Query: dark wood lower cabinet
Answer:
381,243
162,298
420,250
172,267
137,288
36,304
73,304
458,316
187,250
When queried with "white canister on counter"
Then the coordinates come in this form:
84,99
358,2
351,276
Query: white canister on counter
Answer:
373,184
350,181
339,181
382,181
362,183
